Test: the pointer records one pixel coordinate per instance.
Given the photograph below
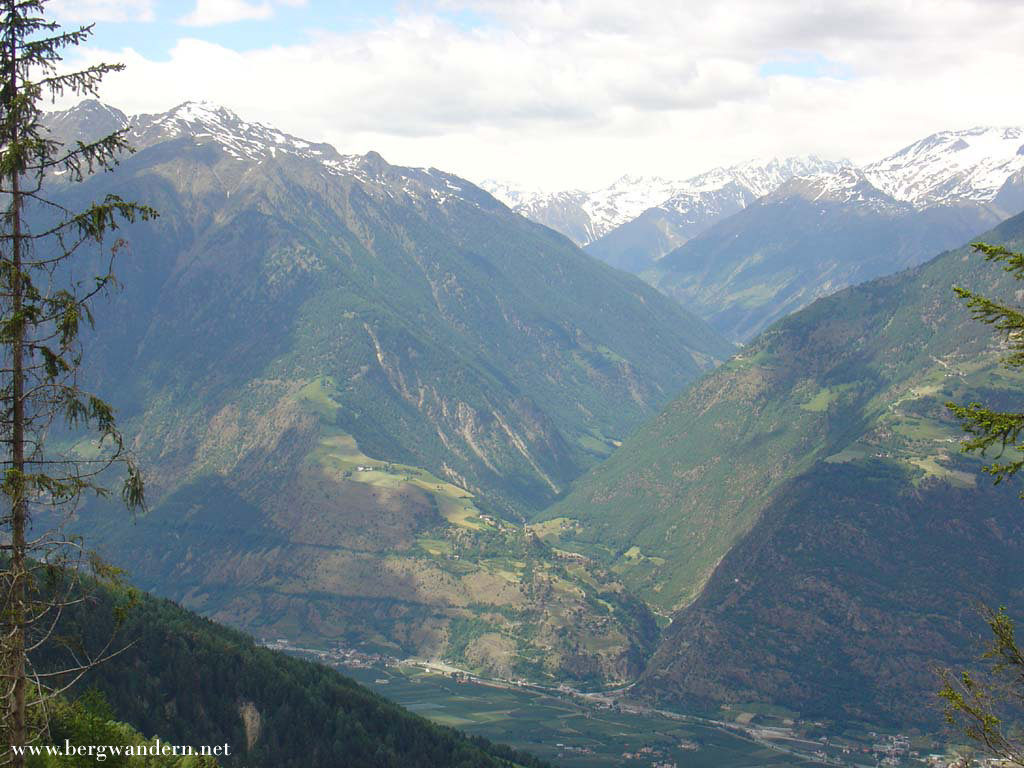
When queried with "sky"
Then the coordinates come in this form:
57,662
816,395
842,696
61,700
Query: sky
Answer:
566,94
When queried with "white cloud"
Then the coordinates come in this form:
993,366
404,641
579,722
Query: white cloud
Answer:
573,93
88,11
209,13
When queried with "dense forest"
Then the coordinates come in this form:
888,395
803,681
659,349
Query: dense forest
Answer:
192,681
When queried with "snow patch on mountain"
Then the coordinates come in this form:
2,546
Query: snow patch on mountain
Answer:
241,139
605,208
511,194
89,121
253,142
948,168
848,185
624,200
583,215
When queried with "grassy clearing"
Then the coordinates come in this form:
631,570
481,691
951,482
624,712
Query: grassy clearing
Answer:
551,531
87,449
316,397
825,397
339,455
595,445
765,710
821,401
434,547
610,355
755,295
850,453
956,477
634,557
926,430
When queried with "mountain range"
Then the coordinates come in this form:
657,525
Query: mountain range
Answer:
744,246
813,236
349,380
377,407
638,219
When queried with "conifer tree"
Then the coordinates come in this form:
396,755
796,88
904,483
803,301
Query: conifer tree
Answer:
990,428
43,308
987,708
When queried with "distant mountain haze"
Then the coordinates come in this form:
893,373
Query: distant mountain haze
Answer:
745,246
608,221
815,235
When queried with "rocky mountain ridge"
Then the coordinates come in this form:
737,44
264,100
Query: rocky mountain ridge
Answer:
814,235
952,167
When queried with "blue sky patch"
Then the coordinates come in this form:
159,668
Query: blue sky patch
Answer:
288,26
806,65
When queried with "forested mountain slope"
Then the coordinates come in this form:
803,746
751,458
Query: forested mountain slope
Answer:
858,581
847,376
486,348
196,683
816,480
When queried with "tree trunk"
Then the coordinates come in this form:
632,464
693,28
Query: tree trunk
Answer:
18,733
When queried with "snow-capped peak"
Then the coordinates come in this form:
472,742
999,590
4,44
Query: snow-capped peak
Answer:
846,185
951,166
203,111
762,177
624,200
90,120
596,211
588,216
94,109
515,196
251,142
750,180
204,121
